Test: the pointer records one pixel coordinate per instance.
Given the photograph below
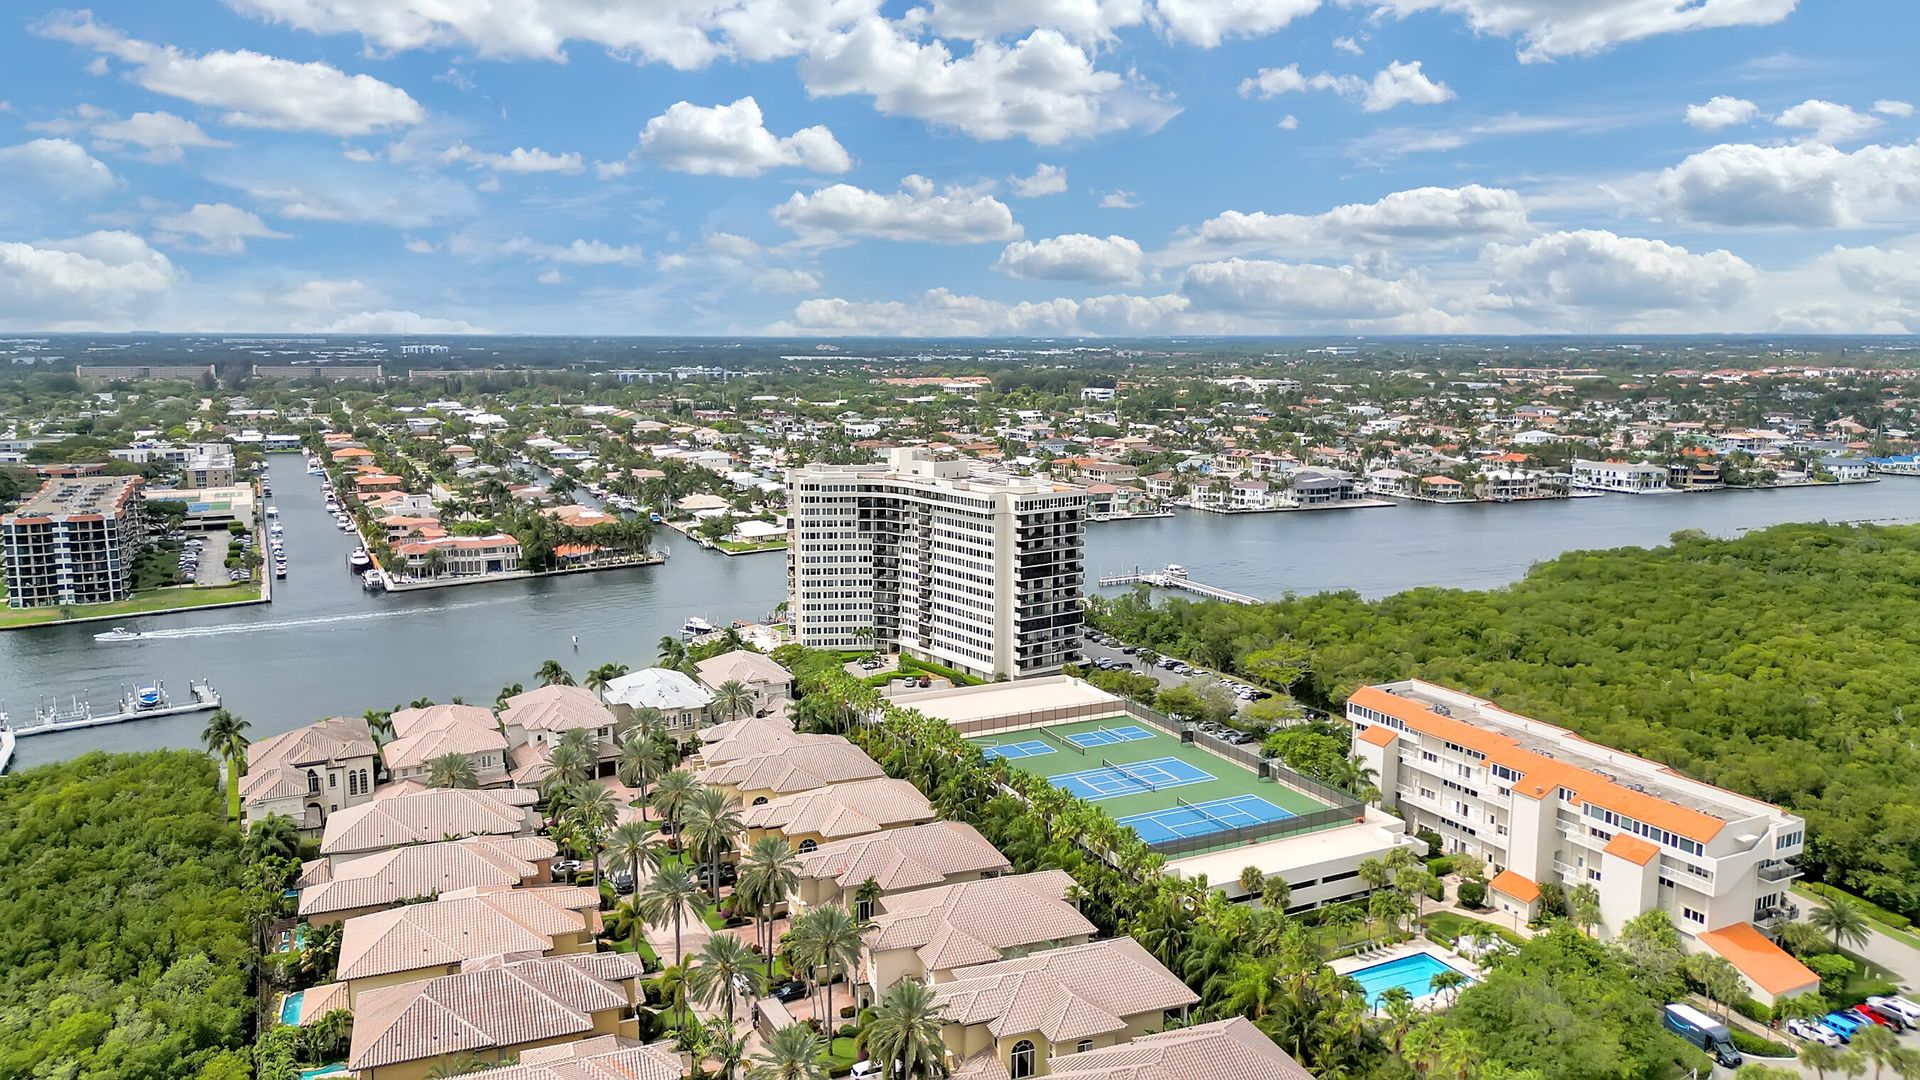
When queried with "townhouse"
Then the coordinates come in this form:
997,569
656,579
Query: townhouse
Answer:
1543,806
926,934
812,818
896,861
405,874
418,941
423,734
403,814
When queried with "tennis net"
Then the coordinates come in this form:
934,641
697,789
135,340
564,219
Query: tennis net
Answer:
1066,743
1131,775
1210,817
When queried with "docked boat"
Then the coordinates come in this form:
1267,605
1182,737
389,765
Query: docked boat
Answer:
359,560
273,511
280,570
119,633
149,697
371,582
695,626
275,529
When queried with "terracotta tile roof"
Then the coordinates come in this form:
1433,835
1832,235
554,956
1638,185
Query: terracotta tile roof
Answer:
318,1001
489,1006
1520,888
974,922
1377,735
843,810
463,926
911,858
743,665
751,735
1225,1050
416,870
1765,964
1541,775
823,760
422,816
556,708
426,744
1065,994
1632,848
604,1057
408,721
276,766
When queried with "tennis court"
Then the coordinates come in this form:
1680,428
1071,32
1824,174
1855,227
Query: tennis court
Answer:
1111,781
1197,819
1165,790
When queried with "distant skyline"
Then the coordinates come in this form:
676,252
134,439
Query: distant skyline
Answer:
961,167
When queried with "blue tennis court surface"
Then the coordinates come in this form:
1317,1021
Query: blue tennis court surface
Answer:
1199,819
1087,740
1015,751
1113,781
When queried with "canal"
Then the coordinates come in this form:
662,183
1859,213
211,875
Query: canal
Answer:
325,647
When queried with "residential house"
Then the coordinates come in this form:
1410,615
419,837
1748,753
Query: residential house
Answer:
466,556
309,772
1028,1012
1619,476
770,683
536,719
419,941
1323,487
748,737
682,703
927,933
423,734
1232,1049
812,762
603,1057
837,812
1845,469
405,874
424,815
896,861
495,1010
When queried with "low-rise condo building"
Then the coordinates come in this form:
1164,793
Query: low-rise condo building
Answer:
1542,805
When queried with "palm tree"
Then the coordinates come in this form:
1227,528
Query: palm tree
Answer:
671,897
434,562
599,677
1253,987
671,795
732,698
1841,919
631,846
379,723
592,811
552,674
452,770
673,653
638,761
1447,982
769,874
712,822
1820,1057
511,690
792,1053
273,836
225,737
722,963
828,937
458,1065
1876,1045
904,1034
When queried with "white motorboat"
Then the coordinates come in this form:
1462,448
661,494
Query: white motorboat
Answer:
371,581
280,570
273,511
275,529
695,626
359,560
119,633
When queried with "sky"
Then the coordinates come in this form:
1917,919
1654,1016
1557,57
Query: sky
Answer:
961,167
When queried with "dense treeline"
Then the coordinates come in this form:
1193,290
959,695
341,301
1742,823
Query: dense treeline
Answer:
1779,664
123,939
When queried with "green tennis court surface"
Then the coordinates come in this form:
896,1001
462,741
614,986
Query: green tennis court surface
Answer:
1160,787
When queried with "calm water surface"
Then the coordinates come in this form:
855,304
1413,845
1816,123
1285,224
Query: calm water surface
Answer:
325,647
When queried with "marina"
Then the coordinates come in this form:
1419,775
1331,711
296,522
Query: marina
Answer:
1174,576
134,702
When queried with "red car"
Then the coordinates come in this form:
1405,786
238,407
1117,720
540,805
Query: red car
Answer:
1878,1017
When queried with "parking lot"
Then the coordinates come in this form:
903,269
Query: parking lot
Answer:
208,559
1096,651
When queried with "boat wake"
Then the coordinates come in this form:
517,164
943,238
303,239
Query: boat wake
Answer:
184,632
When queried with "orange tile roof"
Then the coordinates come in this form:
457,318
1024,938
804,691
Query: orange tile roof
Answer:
1541,775
1631,848
1760,960
1377,735
1520,888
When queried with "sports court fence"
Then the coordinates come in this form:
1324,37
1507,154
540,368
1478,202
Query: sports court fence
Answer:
1341,806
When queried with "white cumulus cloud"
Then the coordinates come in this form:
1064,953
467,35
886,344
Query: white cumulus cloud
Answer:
1073,257
101,279
1425,216
983,20
917,212
1826,121
518,160
733,140
1808,185
1555,28
1046,180
1399,83
1890,107
1207,23
1307,292
257,90
219,228
1596,270
60,167
163,136
1721,112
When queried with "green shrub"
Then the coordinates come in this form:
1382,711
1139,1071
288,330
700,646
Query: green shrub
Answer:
1440,865
1753,1044
1472,894
1753,1010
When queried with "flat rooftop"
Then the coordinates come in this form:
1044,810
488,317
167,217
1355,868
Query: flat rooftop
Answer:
66,496
968,703
1550,741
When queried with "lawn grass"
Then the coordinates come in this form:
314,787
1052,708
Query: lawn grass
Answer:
1449,925
738,547
149,603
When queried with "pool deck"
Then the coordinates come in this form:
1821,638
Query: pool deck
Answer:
1347,965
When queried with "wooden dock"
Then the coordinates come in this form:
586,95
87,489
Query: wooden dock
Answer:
1165,579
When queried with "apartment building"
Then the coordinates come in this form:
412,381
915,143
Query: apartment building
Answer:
74,541
1542,805
981,572
1621,476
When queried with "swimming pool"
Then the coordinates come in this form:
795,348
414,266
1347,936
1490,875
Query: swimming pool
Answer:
1415,973
290,1008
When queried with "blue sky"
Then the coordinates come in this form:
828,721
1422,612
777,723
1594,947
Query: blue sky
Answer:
962,166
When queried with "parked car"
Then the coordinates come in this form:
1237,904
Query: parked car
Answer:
564,869
1812,1032
1844,1023
1900,1007
621,881
791,990
1887,1020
